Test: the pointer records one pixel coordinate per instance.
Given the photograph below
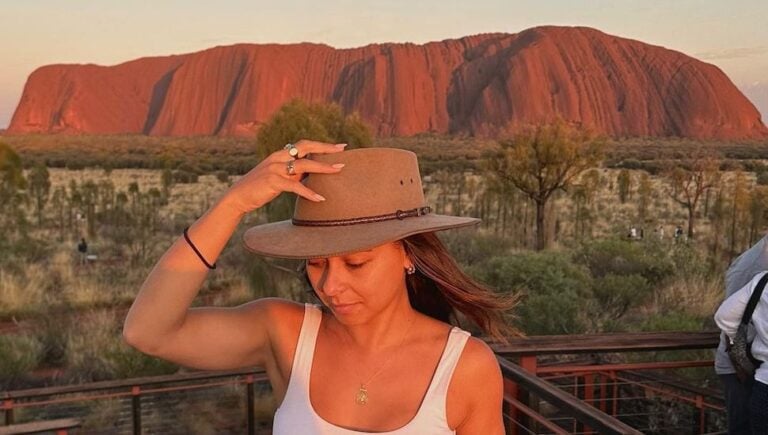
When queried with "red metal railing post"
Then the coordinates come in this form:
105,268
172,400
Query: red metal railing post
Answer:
603,391
530,364
511,389
250,400
136,409
589,394
8,408
700,422
614,394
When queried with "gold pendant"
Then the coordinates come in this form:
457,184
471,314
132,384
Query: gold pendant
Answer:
362,396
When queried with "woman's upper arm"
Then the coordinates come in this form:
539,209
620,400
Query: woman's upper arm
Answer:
728,316
227,338
480,386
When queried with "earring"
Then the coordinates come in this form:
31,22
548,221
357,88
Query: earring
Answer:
410,270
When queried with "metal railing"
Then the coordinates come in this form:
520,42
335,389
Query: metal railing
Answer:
135,389
572,397
598,397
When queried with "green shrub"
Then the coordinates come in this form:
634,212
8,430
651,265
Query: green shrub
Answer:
19,355
557,292
222,176
762,178
617,294
623,257
470,247
298,120
672,321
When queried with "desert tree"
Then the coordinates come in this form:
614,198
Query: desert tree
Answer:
689,180
758,208
624,183
582,195
59,201
90,199
541,160
644,194
740,199
298,120
324,122
12,195
457,184
39,188
717,217
167,181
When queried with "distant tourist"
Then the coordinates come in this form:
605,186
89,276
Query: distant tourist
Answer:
82,248
678,233
388,292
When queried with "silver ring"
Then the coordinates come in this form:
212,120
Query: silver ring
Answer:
290,167
292,150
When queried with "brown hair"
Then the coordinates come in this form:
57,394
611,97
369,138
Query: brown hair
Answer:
440,289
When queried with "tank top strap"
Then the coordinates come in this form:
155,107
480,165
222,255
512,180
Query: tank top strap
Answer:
457,339
305,348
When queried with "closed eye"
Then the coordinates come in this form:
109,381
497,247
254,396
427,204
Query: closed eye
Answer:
356,265
315,263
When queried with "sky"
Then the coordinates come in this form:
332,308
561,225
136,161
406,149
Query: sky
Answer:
730,34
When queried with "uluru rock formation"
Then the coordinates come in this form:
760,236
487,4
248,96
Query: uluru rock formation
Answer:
476,85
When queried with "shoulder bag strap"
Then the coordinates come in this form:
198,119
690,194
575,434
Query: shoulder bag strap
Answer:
756,293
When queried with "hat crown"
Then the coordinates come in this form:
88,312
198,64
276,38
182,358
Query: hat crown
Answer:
374,182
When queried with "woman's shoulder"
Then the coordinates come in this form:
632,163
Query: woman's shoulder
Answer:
476,390
276,312
478,358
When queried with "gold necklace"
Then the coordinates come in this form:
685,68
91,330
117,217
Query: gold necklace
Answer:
361,397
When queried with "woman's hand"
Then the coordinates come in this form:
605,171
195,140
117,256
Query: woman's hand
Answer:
270,177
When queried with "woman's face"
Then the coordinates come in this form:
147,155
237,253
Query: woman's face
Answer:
356,286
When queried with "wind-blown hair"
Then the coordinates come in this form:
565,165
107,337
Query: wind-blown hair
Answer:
441,290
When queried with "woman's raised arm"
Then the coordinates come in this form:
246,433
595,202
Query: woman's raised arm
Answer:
161,322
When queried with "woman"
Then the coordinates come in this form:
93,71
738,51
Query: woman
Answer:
728,317
381,357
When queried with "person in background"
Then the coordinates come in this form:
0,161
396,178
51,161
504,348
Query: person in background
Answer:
82,248
737,394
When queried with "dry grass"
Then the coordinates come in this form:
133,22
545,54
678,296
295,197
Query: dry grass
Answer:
23,294
697,296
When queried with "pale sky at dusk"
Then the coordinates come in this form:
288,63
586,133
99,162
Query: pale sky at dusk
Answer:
730,34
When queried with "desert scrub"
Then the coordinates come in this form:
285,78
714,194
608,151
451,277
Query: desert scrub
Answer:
20,354
96,351
23,293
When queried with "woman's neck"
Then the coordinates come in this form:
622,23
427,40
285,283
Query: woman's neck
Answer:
382,332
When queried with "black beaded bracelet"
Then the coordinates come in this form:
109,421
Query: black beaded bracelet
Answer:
194,248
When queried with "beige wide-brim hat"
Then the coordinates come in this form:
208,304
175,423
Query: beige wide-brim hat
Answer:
377,198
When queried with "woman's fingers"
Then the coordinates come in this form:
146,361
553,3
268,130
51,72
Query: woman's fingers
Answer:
305,166
301,190
306,147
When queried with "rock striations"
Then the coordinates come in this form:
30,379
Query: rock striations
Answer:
476,85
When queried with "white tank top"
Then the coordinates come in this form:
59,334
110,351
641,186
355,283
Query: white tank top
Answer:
296,415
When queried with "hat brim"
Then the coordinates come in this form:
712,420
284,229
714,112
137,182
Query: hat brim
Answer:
285,240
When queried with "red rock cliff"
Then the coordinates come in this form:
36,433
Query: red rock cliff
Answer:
474,85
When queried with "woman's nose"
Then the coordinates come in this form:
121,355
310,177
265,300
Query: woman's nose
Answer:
331,281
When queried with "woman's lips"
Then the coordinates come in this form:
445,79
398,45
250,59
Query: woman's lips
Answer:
344,308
